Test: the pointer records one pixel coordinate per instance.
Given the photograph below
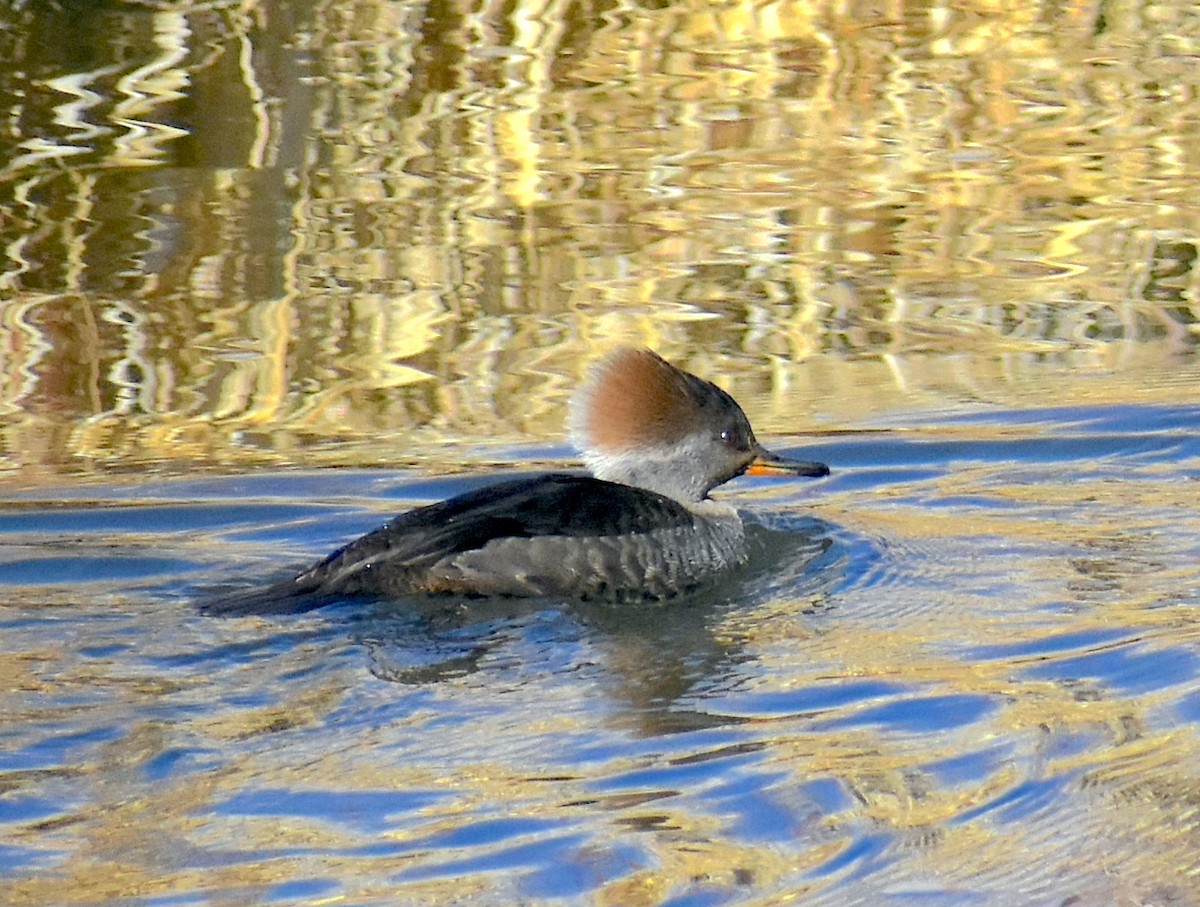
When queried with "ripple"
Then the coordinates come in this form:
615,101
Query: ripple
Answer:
856,857
81,569
895,702
1127,668
1023,802
1050,644
156,519
368,811
808,701
529,859
911,714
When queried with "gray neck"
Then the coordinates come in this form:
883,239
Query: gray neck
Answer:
677,473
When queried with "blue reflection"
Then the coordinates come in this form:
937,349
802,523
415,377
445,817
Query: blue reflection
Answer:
1127,669
921,714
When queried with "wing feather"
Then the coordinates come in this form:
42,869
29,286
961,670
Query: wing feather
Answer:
393,556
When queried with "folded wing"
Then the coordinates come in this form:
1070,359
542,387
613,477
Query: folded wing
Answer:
393,558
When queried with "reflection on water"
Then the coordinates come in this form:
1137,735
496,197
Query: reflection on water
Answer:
950,249
274,234
442,637
976,669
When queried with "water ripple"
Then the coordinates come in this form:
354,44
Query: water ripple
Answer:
939,667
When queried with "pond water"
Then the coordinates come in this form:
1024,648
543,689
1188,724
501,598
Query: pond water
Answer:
271,272
964,669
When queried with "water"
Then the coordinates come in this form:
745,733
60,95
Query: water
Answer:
271,272
965,669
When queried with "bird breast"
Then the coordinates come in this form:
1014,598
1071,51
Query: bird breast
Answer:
660,563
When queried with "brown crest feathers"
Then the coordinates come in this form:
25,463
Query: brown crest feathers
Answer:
635,397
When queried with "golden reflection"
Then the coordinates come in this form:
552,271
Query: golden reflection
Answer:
372,192
245,234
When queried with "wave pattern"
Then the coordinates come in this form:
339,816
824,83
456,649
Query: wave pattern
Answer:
941,682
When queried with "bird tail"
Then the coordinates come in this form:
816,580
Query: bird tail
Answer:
290,596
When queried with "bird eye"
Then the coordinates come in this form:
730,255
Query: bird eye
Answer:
729,436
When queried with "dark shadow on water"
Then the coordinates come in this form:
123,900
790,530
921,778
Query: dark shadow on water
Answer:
648,659
647,655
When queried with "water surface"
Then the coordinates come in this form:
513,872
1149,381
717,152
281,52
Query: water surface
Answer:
958,670
273,271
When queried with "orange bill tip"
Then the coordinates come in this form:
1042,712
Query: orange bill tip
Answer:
768,464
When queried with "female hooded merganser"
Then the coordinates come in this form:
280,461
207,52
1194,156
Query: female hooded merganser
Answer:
657,440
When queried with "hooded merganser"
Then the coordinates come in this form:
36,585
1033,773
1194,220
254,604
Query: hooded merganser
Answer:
657,441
